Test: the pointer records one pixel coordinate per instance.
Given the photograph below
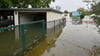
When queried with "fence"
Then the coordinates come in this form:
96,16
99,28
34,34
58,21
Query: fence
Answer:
55,26
15,39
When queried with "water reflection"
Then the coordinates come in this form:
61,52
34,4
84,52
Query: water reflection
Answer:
76,40
53,31
99,30
8,43
43,45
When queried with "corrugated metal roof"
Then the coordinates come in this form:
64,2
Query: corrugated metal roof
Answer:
30,9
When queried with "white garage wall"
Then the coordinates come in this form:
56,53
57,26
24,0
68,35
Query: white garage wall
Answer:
51,16
51,23
16,17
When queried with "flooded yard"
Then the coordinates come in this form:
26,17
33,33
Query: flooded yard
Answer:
74,40
21,38
11,41
71,40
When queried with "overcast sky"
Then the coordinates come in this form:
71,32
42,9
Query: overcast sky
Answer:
70,5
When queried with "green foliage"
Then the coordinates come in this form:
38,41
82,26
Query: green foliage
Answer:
96,10
97,20
84,11
65,12
25,3
70,14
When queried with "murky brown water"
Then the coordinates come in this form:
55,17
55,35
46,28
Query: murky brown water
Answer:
75,40
45,44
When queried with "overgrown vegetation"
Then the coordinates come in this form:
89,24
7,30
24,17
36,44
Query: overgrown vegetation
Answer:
96,10
25,3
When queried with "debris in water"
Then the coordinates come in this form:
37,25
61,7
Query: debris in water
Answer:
95,51
53,54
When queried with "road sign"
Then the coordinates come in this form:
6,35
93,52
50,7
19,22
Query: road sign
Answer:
76,13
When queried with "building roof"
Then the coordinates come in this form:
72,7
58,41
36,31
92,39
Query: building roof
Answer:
30,9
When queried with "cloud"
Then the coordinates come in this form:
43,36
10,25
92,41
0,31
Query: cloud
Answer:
70,5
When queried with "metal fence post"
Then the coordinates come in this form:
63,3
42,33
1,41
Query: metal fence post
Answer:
43,28
23,37
54,27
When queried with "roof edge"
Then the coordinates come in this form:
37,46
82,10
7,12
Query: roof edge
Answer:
30,9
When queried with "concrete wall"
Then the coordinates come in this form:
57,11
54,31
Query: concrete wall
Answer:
16,17
53,23
51,16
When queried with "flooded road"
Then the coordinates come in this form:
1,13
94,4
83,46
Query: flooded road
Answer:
75,40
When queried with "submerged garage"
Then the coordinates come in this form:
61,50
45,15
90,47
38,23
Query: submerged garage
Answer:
17,34
16,16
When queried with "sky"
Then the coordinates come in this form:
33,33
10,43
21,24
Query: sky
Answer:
70,5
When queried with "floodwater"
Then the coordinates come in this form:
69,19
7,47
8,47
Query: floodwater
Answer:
11,39
74,40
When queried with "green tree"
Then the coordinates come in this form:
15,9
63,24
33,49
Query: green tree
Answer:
70,14
84,11
96,10
65,12
25,3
